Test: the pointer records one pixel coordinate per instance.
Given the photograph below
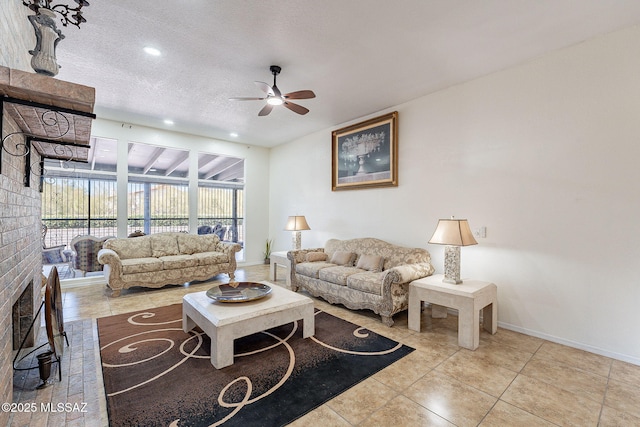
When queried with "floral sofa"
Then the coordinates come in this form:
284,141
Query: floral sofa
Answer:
364,273
165,258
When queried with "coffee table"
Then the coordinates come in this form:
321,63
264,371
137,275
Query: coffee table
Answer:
224,322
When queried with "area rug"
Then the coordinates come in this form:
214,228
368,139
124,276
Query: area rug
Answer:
157,375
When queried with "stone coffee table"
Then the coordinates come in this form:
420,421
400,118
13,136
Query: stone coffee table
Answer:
224,322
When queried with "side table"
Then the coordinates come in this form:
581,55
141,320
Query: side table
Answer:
280,258
468,298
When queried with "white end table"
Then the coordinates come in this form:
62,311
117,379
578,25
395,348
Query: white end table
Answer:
468,298
280,258
224,322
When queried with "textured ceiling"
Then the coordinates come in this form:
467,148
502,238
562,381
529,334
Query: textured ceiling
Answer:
358,56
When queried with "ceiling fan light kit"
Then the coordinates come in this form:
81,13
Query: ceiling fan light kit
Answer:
275,97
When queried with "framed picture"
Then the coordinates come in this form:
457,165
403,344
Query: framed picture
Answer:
366,154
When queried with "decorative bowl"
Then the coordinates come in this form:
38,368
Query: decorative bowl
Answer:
238,292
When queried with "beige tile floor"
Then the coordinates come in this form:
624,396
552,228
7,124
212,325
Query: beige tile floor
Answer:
510,380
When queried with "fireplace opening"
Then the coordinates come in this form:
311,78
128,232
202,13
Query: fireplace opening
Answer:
23,313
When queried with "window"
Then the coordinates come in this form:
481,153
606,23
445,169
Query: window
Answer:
221,196
220,209
156,207
81,198
78,206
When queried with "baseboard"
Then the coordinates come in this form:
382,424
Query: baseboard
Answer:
569,343
78,282
251,263
557,340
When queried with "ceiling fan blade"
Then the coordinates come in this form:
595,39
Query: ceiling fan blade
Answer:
265,88
246,99
265,110
295,107
301,94
276,91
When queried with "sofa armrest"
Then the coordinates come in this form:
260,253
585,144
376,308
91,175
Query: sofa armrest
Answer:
109,256
410,272
112,266
228,248
299,256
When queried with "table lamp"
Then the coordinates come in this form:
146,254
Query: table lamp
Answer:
295,224
453,233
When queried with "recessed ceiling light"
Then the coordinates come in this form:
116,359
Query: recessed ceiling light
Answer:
233,135
152,51
168,122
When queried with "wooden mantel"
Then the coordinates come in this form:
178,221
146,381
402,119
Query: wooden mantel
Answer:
44,108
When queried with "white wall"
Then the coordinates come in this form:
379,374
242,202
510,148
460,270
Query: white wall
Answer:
545,155
256,172
17,35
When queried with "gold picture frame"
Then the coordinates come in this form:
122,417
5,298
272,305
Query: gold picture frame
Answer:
365,154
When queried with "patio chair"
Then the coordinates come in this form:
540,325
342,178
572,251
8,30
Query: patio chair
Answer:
219,230
55,256
85,258
204,229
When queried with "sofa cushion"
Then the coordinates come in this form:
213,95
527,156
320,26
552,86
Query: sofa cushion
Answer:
191,243
343,258
371,263
368,281
311,269
164,245
210,242
316,256
337,274
140,247
141,265
208,258
173,262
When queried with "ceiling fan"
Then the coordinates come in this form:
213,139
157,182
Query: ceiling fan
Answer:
275,97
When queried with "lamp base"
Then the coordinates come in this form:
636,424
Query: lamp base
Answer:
452,265
296,240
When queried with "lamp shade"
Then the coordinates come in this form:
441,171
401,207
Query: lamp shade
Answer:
453,232
296,223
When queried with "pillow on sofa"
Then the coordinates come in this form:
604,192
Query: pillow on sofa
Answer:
343,258
164,245
316,256
191,243
210,242
371,263
139,247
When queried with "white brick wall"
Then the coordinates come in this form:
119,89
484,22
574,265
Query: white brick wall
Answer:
17,35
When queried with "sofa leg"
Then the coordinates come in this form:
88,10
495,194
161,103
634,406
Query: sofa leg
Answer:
115,293
387,320
232,275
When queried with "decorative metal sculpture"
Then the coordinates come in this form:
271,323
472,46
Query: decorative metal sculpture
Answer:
47,33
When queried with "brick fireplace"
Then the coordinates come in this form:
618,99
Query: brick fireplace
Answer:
23,314
24,96
20,256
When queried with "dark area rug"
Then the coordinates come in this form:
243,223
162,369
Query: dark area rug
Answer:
156,375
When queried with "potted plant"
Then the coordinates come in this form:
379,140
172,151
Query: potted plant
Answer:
267,251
